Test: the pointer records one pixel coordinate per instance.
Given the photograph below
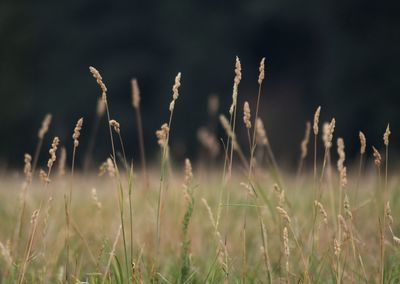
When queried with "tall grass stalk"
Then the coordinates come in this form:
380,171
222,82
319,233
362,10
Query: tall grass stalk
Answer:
103,88
136,105
164,159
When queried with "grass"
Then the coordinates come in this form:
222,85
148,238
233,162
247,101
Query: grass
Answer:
255,223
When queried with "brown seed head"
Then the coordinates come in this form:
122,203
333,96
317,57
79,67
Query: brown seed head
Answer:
236,81
52,152
77,132
377,156
386,136
341,153
246,115
99,79
261,76
114,124
316,120
162,135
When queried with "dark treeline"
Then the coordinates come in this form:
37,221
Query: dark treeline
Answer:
343,55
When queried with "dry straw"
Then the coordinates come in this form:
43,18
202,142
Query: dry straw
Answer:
188,175
246,115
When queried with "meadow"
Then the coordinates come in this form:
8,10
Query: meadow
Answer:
235,217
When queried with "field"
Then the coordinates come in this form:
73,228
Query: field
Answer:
237,219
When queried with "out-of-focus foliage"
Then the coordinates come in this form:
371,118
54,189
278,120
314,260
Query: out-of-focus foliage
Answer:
341,55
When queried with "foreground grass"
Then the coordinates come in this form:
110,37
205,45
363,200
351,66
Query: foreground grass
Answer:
95,224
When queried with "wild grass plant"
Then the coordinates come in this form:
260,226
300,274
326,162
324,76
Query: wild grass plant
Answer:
244,221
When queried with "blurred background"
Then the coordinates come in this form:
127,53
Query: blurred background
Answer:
342,55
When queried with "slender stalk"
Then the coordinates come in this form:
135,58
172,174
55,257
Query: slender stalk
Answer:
141,145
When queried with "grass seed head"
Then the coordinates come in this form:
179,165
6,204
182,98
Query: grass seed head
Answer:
45,126
363,142
386,136
306,140
28,167
261,133
282,212
377,156
261,76
77,132
135,94
341,153
316,120
52,152
162,135
236,82
99,79
115,125
246,115
321,211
